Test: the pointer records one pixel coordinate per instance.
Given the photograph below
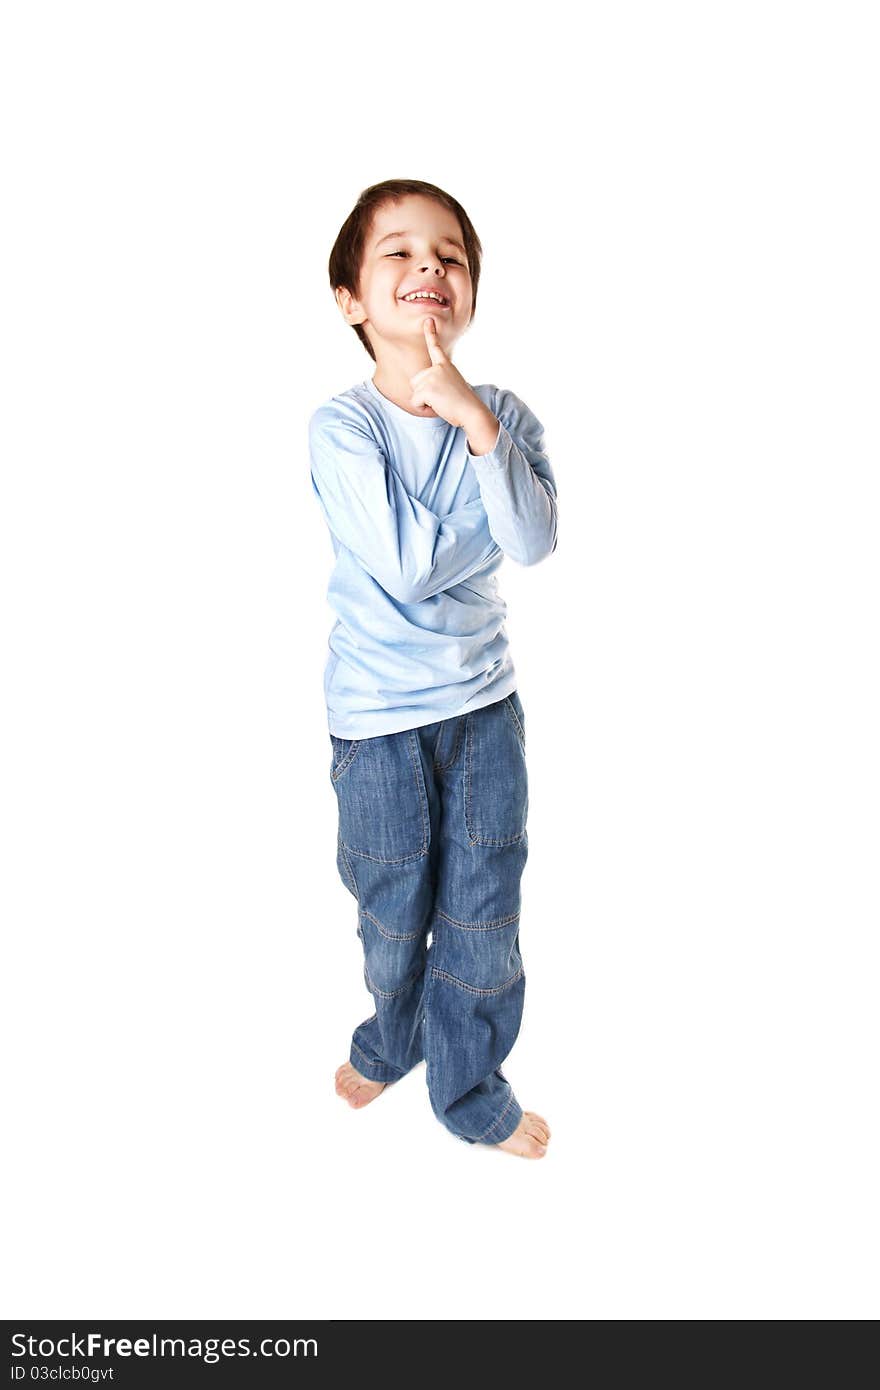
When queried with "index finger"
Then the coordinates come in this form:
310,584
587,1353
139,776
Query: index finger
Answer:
433,341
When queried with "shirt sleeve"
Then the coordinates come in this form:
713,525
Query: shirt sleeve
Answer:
517,483
410,551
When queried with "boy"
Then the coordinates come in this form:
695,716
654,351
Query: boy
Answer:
426,483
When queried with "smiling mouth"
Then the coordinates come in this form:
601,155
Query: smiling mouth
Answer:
426,303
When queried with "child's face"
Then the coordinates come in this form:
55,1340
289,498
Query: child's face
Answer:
431,253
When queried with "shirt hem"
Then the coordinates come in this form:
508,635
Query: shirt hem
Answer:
501,688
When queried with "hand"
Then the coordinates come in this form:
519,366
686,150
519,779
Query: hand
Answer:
441,386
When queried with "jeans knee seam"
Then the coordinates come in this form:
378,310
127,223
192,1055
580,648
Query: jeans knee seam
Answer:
475,989
389,935
492,924
394,993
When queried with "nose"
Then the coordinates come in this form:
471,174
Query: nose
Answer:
439,267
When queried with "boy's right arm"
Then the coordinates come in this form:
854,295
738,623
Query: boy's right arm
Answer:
410,551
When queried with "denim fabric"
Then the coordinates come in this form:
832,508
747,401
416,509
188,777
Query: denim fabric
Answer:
432,842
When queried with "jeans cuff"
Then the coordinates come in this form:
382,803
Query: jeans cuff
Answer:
505,1124
373,1071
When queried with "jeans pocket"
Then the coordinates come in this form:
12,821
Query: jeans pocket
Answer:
383,802
517,714
344,749
496,788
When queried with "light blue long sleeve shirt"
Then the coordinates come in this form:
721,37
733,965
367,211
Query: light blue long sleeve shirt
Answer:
419,527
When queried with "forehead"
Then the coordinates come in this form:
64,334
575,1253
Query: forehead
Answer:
415,217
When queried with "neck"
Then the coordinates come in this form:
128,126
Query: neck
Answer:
395,368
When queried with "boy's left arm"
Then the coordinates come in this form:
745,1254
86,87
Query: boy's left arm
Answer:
507,452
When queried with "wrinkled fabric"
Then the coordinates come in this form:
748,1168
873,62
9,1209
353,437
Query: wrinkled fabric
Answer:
432,842
419,527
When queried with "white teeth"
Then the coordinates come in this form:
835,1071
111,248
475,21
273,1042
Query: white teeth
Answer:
421,294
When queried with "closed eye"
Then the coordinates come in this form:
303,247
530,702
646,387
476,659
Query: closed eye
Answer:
406,253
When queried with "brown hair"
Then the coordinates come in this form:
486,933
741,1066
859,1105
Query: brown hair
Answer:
347,255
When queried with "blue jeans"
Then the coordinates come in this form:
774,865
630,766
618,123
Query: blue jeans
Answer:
432,841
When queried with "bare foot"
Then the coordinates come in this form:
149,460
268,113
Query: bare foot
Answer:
354,1088
530,1137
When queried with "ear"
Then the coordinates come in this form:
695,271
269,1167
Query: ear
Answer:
349,308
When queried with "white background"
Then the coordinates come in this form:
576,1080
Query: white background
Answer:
678,207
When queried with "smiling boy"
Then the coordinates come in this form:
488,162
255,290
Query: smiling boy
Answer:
425,483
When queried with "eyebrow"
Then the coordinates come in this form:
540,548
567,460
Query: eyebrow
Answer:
392,235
